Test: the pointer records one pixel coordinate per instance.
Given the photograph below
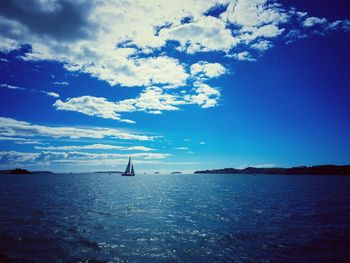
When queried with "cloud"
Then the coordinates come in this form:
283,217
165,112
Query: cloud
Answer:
18,140
203,35
134,44
60,20
82,34
243,56
323,25
251,14
181,148
3,138
262,45
61,83
94,147
256,20
94,106
24,159
311,21
51,94
4,85
11,127
206,96
155,99
202,143
204,69
152,100
28,141
48,93
13,157
91,42
138,148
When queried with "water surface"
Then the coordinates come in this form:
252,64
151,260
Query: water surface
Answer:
174,218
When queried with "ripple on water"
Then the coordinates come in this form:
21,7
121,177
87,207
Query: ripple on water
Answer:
188,218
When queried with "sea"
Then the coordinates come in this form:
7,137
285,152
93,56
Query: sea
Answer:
174,218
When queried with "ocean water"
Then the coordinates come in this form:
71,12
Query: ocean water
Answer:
174,218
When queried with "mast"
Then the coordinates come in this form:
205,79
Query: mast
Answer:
129,171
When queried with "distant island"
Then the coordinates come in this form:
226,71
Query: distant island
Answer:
108,172
307,170
176,173
23,171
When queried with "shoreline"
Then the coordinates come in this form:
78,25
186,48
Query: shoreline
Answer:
299,170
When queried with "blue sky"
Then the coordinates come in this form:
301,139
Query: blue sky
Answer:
179,86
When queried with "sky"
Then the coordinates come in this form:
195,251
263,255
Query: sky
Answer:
178,85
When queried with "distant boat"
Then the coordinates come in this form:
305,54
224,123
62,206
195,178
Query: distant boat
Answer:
129,171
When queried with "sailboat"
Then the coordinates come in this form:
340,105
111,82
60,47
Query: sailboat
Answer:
129,171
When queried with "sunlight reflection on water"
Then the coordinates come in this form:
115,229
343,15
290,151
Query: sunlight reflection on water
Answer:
152,218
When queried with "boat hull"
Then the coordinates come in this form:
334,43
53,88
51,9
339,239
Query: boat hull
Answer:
124,174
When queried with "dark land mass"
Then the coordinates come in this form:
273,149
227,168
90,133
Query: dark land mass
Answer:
176,173
108,172
23,171
307,170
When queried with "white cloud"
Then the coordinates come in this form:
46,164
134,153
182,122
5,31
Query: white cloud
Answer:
206,96
18,140
254,13
243,56
161,70
94,147
203,35
124,54
155,99
48,93
13,158
61,83
294,35
152,100
256,19
3,138
311,21
138,148
325,25
345,24
262,45
102,48
129,43
204,69
28,141
52,94
155,112
11,127
94,106
4,85
202,143
181,148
